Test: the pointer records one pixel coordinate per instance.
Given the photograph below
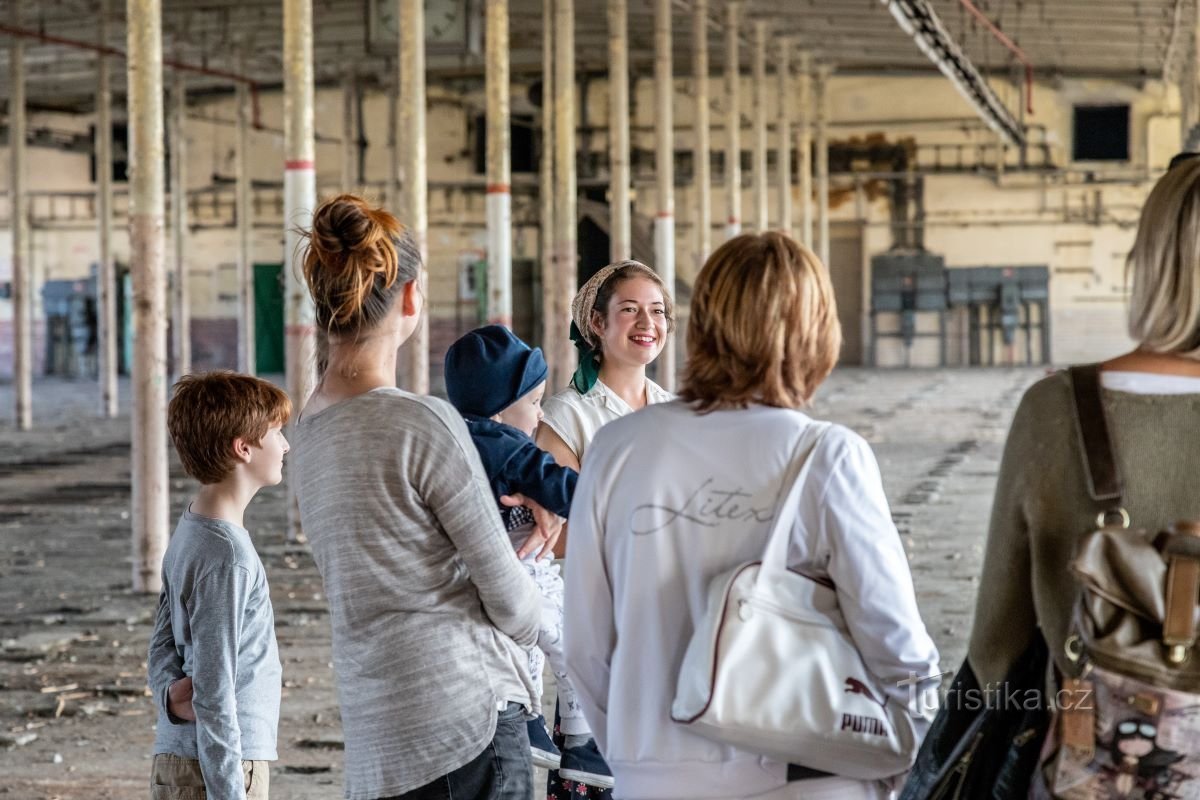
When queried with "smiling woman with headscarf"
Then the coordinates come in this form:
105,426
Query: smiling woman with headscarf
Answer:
622,319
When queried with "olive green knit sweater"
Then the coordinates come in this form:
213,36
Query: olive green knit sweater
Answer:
1042,508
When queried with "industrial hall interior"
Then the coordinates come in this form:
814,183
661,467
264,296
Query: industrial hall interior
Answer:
967,185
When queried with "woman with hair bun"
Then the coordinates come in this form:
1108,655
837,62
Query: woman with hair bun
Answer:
430,608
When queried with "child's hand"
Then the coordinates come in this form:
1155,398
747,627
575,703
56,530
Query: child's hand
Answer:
179,700
545,533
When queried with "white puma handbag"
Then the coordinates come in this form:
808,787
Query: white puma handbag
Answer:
771,668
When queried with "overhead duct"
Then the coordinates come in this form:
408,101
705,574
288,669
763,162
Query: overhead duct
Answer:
918,19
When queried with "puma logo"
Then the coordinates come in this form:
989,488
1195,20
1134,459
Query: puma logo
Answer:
855,686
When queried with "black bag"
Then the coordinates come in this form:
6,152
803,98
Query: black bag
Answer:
985,746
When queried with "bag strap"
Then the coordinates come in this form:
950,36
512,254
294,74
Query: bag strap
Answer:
774,558
1100,466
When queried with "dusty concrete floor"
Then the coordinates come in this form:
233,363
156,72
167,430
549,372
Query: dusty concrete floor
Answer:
75,721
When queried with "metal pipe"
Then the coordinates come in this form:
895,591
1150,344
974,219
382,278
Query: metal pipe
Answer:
104,49
247,355
804,150
499,168
551,328
664,162
733,123
823,72
411,64
565,214
1012,47
761,221
620,237
785,136
147,264
299,199
106,278
22,276
703,178
349,140
181,318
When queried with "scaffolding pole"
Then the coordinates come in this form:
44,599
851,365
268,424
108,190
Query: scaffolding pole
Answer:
822,102
620,237
299,199
499,168
22,275
551,328
703,177
761,202
804,150
414,186
247,357
664,221
147,263
785,135
565,220
106,279
181,316
733,123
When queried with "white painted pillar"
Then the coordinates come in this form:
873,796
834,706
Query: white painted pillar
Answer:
181,318
414,186
147,264
620,237
664,168
733,122
823,73
785,135
22,274
702,175
499,168
552,328
804,150
299,200
761,218
106,276
565,214
247,355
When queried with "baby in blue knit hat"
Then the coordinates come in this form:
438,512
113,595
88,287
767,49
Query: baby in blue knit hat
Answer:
496,382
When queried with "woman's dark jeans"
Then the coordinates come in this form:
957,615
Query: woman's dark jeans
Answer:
503,771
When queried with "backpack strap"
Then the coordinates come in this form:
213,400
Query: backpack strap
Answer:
1104,480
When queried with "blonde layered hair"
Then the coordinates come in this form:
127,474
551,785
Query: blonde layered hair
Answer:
763,327
1164,305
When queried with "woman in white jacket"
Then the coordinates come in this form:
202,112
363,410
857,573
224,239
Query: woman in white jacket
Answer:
674,495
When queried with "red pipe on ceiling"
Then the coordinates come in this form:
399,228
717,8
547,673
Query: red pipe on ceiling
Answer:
46,38
1012,46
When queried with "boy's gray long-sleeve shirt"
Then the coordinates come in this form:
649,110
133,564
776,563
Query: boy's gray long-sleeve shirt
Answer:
215,623
430,608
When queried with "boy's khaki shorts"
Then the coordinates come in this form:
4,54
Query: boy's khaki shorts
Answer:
177,778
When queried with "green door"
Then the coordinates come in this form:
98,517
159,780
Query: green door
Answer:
268,318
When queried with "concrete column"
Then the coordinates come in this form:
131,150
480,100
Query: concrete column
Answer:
499,168
733,122
761,219
823,72
22,274
551,327
565,216
181,329
664,168
620,238
349,134
247,355
147,263
299,200
785,135
412,160
106,278
703,178
804,150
